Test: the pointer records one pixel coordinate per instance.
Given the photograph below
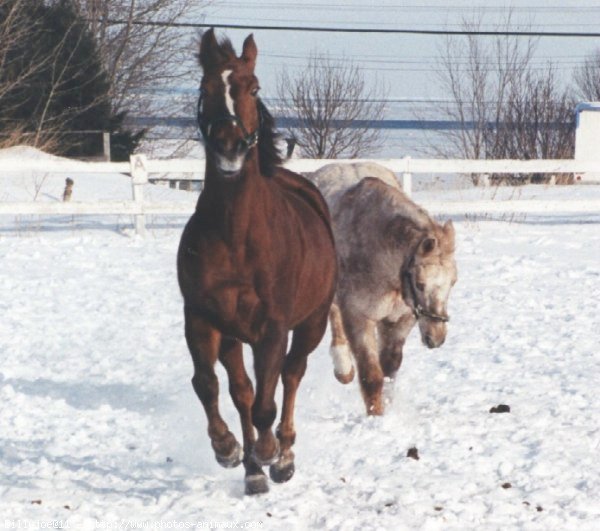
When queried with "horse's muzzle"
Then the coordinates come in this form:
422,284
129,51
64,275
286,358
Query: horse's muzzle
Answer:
432,342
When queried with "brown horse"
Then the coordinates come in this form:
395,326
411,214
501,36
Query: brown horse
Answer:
256,260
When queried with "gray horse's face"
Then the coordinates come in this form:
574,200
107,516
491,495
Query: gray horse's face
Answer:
432,276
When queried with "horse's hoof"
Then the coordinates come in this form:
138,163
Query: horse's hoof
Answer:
344,378
233,459
282,473
256,484
268,460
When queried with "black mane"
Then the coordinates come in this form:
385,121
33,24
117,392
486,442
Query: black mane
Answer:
269,156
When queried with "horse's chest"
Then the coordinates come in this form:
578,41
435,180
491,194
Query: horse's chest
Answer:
391,306
219,283
237,307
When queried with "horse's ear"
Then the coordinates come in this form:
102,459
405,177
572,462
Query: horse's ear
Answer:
449,233
250,51
210,51
427,245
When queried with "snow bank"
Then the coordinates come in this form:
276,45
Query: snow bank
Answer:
99,425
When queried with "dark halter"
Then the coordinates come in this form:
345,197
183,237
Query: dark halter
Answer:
417,309
249,140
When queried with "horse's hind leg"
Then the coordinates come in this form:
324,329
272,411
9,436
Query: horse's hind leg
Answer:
204,342
305,339
242,393
343,368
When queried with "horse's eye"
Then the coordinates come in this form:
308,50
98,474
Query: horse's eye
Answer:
420,286
254,91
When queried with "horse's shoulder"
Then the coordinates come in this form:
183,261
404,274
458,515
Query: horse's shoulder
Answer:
303,188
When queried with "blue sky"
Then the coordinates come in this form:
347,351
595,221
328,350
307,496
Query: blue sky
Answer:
405,63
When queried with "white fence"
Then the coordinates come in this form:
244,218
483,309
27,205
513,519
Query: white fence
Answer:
139,168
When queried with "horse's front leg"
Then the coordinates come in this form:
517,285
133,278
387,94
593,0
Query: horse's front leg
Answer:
392,336
363,342
242,393
269,354
204,342
306,338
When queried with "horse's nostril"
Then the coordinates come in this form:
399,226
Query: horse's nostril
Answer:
429,341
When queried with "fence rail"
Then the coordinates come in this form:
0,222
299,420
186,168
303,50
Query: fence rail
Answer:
140,168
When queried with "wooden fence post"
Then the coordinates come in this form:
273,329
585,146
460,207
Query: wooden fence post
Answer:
407,178
106,145
139,179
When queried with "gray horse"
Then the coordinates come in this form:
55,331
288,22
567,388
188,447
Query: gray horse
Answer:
396,269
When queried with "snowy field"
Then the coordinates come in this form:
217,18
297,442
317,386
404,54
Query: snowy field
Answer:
100,428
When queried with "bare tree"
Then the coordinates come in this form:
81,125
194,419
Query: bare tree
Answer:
51,80
539,120
505,107
587,78
140,58
335,107
478,74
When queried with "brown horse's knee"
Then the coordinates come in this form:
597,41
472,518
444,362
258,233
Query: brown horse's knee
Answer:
263,415
206,387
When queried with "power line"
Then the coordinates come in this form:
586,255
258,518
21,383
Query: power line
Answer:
396,7
323,29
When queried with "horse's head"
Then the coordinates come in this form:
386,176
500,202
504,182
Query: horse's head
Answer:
228,115
429,277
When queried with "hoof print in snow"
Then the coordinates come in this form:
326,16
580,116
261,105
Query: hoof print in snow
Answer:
413,453
502,408
539,508
506,485
438,508
36,502
67,507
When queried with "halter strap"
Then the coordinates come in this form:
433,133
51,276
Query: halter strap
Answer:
249,139
417,309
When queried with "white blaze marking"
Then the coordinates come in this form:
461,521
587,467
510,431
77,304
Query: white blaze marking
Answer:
228,99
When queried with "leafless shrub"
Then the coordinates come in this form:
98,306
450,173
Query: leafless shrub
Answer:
335,107
587,78
504,106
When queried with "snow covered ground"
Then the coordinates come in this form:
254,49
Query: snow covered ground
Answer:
100,428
